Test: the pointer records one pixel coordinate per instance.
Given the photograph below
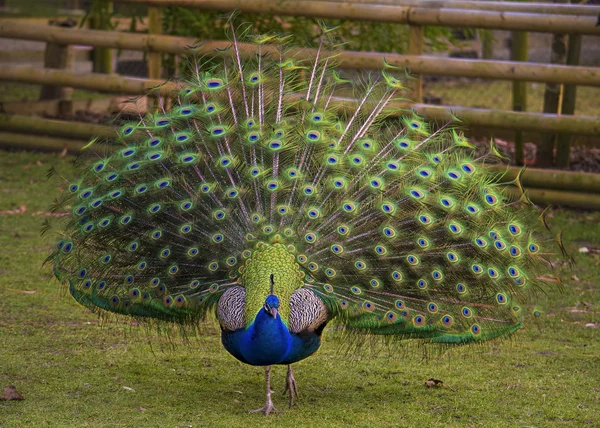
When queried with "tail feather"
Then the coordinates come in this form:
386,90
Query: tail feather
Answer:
400,231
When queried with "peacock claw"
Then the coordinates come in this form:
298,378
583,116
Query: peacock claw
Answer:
290,385
267,409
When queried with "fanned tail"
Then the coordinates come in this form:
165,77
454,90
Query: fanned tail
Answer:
400,231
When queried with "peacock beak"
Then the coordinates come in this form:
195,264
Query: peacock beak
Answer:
273,312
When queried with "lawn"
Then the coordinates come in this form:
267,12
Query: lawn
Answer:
25,92
497,94
76,371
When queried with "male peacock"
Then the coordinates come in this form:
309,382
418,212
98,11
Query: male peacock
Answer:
260,195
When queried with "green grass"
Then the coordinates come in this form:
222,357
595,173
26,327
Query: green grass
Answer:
72,371
26,92
497,94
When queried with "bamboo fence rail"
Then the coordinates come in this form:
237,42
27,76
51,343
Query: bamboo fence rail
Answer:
535,178
495,6
559,197
542,185
509,70
90,81
55,128
70,129
572,24
552,179
36,142
580,125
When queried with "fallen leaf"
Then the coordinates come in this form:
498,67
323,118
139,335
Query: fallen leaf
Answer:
548,279
22,291
575,278
128,388
50,214
19,210
10,393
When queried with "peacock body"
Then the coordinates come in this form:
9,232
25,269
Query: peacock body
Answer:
256,194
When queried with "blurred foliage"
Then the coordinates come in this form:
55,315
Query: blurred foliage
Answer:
355,36
359,36
100,16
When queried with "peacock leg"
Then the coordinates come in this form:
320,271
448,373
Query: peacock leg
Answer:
290,385
269,404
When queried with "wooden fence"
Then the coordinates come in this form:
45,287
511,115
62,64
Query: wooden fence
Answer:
495,6
397,14
575,20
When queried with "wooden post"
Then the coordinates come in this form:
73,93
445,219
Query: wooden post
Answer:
487,43
519,88
100,16
563,141
416,40
552,94
552,97
58,56
154,58
154,28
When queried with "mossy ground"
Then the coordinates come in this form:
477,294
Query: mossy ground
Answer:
74,372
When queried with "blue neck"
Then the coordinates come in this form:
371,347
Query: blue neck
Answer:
267,339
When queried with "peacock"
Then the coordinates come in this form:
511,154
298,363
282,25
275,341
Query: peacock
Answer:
257,194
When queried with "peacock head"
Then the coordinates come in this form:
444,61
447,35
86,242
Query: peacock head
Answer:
272,302
271,305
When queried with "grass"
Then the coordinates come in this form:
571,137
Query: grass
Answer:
497,94
26,92
73,372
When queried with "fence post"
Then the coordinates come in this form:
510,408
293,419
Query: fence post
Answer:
154,58
487,43
563,141
100,15
552,100
552,95
154,28
416,40
62,57
520,44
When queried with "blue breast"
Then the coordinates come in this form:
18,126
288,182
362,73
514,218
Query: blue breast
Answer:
268,341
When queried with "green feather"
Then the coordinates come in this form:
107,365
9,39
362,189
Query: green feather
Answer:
254,171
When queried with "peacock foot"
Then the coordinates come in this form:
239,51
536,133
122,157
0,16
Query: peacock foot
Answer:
267,409
290,385
269,404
